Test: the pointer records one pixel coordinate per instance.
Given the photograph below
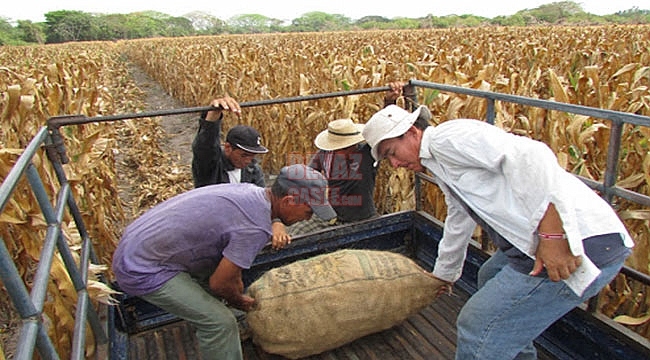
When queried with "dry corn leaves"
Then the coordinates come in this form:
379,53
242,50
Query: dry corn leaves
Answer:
39,82
596,66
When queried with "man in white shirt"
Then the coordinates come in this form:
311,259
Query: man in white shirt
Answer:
559,242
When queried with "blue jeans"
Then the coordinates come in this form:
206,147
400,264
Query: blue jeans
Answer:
511,309
216,327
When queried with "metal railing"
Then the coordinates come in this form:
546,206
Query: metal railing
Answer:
607,187
30,304
617,118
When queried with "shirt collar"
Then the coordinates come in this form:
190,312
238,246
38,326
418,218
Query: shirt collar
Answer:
227,165
425,149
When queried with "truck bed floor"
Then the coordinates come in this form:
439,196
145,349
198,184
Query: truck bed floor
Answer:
429,334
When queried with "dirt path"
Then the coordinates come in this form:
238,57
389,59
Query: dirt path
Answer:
149,173
180,129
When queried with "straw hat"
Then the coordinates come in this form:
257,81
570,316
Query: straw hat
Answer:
340,134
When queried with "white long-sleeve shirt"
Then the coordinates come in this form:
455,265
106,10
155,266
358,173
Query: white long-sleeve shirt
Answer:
509,181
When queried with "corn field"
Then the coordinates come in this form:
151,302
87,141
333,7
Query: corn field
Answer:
605,67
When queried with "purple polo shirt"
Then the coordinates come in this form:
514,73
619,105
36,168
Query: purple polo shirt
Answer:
191,232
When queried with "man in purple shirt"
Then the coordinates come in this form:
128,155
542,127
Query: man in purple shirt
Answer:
207,236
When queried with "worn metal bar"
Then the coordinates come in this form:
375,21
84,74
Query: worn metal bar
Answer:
491,113
12,281
42,276
58,121
79,333
544,104
27,339
29,306
32,331
636,275
50,217
617,191
613,150
79,279
32,335
631,196
609,180
11,181
79,275
418,193
44,344
84,311
72,205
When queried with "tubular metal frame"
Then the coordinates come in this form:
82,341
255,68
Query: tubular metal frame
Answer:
29,304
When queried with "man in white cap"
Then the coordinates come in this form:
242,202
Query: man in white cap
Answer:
186,254
558,242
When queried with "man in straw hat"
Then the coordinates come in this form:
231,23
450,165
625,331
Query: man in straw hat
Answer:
345,160
559,243
186,254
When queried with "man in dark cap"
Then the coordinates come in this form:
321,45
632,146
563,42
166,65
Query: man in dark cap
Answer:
234,162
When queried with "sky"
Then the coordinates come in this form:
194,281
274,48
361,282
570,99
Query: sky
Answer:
34,10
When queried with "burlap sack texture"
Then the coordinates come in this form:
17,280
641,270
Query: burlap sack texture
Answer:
321,303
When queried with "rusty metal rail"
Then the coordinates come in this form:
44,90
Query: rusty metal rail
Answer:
30,304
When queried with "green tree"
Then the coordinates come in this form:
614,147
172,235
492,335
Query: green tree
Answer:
204,23
406,23
514,20
630,16
320,21
178,26
7,33
112,26
467,20
66,25
31,32
250,24
143,25
373,22
555,12
372,19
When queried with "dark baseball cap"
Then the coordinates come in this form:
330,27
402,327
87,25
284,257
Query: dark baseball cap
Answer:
246,138
309,187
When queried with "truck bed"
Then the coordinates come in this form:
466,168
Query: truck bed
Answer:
141,331
429,334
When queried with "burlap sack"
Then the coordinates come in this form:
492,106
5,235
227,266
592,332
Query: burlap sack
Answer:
318,304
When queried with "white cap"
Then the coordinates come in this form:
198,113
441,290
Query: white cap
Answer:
389,122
